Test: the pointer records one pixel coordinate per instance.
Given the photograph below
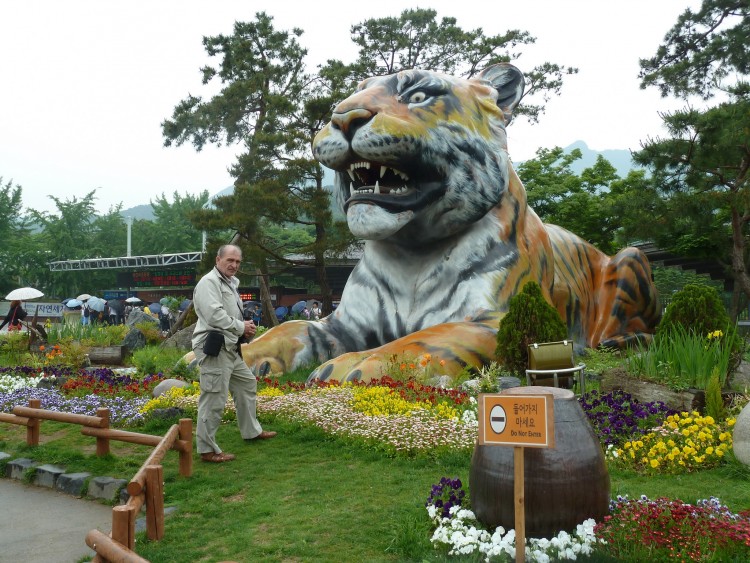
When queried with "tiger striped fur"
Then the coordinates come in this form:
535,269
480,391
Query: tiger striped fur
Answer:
423,173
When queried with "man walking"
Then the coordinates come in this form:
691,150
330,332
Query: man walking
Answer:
216,343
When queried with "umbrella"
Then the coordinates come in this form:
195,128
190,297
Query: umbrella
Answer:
72,303
83,297
155,308
165,301
23,294
65,301
281,312
184,305
116,305
132,300
96,304
299,306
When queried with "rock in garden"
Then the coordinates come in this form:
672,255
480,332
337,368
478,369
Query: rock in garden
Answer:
741,436
166,385
137,316
180,340
134,340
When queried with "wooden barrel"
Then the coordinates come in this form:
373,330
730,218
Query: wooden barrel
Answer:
564,485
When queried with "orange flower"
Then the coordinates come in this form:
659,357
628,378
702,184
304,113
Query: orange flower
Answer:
41,348
412,366
442,362
403,367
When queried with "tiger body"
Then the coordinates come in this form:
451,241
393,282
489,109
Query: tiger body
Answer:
423,173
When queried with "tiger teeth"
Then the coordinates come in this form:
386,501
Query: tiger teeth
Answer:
383,169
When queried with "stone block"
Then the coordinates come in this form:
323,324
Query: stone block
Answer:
17,468
106,488
166,385
741,436
47,475
4,456
72,483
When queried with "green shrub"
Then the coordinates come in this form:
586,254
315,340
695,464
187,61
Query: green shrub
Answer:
154,359
714,401
697,308
529,319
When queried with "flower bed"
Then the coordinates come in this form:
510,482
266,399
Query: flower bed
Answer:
406,418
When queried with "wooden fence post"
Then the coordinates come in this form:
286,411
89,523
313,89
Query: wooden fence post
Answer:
102,443
155,502
121,526
186,455
32,430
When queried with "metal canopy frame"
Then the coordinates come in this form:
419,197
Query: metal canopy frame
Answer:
124,262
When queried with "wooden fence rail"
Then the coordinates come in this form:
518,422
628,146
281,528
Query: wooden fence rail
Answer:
146,486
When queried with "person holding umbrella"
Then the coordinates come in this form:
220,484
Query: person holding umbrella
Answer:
216,343
15,315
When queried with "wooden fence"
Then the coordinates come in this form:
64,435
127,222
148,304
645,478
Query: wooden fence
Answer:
146,486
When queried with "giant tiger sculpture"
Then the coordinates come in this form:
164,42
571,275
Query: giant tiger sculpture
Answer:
422,171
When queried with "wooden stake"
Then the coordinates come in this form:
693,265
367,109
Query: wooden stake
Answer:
32,430
102,442
186,455
155,502
518,494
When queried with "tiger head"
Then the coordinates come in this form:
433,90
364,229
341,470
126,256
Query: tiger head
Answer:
418,155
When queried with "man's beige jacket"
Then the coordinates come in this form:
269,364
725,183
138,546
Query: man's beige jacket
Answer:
218,306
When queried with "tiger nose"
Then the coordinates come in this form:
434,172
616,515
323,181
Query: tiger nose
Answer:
349,121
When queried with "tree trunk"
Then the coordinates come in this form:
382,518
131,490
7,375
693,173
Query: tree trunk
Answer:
738,254
734,309
269,316
180,320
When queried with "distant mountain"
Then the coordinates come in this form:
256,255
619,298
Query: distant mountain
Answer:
139,212
619,158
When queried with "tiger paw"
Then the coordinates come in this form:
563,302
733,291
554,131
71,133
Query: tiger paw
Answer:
353,366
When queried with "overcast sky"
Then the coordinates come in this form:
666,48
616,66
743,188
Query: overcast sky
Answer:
85,85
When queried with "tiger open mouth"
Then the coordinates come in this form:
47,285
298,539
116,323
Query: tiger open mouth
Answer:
386,187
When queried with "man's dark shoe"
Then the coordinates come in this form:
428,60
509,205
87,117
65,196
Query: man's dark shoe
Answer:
265,435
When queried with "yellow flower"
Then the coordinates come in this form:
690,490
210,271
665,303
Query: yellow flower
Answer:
654,463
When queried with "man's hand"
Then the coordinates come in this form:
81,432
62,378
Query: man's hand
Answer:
250,329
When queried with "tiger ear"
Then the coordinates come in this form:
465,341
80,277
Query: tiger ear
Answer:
509,83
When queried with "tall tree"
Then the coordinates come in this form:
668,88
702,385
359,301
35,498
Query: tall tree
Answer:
416,39
70,234
583,203
173,230
702,196
267,105
704,52
16,262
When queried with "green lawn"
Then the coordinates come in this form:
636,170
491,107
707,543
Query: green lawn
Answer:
306,497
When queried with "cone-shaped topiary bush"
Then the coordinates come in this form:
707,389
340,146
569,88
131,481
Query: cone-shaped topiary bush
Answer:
529,319
697,308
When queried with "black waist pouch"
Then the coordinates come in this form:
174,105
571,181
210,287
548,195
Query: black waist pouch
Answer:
213,343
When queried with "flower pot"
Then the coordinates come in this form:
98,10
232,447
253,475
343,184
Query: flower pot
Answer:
564,485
